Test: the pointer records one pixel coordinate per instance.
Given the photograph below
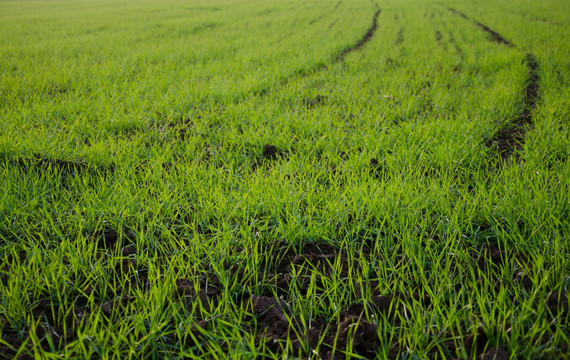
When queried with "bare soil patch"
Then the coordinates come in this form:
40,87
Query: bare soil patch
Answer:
272,320
269,154
275,323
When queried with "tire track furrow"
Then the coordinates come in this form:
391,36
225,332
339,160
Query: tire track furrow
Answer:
494,35
338,4
321,67
366,38
511,137
340,57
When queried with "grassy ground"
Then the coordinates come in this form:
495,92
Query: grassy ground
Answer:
273,179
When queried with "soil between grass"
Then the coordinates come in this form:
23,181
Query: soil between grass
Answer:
271,319
511,137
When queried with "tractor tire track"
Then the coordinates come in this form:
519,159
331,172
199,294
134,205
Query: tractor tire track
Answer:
442,29
338,4
301,74
456,46
495,36
339,58
399,37
511,136
366,38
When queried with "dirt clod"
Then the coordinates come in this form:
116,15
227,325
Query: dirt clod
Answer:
129,250
108,238
111,306
383,303
269,151
269,313
361,333
495,353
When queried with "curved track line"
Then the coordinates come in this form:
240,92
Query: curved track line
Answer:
495,36
303,74
339,58
320,67
366,38
511,137
338,4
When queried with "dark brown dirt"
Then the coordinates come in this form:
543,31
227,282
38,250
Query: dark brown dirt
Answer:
313,257
272,321
194,336
14,344
390,63
5,274
458,13
558,305
524,280
189,293
489,258
61,329
270,315
362,334
126,267
129,250
115,306
316,19
532,85
110,238
275,327
507,140
269,152
181,128
496,353
275,322
471,344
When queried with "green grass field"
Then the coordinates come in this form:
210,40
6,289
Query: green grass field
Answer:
284,179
